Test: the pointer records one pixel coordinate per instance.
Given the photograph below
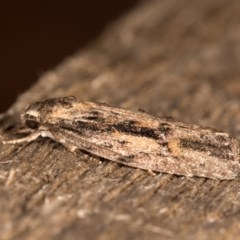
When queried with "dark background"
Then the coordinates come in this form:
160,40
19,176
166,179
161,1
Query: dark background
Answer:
37,35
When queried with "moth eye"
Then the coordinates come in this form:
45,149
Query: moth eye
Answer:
32,124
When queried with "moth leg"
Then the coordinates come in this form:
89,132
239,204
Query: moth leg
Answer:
68,145
151,172
29,138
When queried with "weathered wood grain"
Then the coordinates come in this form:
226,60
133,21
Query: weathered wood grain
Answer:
170,57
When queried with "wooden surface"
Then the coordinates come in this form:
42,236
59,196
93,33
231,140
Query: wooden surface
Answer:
171,58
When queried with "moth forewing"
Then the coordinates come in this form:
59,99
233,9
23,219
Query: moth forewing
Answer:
134,138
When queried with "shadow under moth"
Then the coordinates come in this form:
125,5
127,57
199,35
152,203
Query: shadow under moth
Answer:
132,138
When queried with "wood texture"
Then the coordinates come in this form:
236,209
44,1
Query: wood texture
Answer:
170,57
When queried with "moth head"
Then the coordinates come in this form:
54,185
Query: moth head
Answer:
36,113
30,119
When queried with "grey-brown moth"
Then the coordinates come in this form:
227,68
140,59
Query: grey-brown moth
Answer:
132,138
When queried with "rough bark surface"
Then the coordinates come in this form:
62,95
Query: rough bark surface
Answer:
170,57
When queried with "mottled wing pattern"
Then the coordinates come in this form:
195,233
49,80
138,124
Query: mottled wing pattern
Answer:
144,141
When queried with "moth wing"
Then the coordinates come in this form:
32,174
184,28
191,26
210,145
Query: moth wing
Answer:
144,141
135,151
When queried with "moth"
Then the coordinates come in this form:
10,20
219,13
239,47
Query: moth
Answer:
135,139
